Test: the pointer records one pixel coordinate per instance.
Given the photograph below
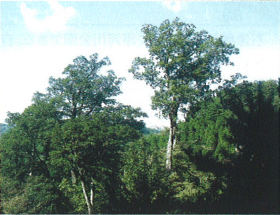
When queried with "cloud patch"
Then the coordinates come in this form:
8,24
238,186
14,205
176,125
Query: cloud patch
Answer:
176,6
53,23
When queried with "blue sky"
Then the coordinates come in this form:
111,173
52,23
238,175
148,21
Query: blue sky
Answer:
40,38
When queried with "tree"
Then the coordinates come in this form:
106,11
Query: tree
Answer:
182,65
77,130
84,91
89,150
207,131
28,182
81,96
26,145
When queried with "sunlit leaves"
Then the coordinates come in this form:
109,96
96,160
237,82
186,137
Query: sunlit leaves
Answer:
181,64
84,90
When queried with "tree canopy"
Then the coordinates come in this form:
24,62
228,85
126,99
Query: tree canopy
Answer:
76,150
182,65
83,90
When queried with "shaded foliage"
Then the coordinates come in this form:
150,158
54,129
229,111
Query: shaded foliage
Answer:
38,195
235,135
145,181
256,131
91,147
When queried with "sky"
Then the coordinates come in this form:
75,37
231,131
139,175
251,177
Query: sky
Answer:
39,39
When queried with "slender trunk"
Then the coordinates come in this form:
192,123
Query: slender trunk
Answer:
171,140
169,151
91,196
86,198
91,192
89,199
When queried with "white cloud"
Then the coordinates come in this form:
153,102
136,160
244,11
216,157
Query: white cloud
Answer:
36,64
176,6
54,23
260,63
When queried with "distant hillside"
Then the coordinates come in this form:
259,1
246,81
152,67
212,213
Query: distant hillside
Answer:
147,130
3,128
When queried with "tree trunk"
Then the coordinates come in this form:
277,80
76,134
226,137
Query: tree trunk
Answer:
91,192
89,205
89,200
169,152
91,196
171,140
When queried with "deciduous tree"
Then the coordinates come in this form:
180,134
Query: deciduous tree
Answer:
84,90
182,65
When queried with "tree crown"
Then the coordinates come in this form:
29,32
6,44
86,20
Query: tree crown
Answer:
182,63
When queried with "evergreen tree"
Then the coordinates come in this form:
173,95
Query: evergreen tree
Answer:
235,136
145,181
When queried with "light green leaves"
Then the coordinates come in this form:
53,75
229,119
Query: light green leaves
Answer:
182,63
83,90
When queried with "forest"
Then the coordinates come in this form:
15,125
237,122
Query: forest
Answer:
76,150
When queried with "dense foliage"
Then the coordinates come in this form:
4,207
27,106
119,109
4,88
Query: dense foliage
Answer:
182,65
76,150
235,135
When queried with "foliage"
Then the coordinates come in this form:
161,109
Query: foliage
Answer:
144,178
37,195
182,65
84,90
256,131
158,139
207,131
235,137
76,150
91,147
26,146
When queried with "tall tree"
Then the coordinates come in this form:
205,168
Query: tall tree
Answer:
76,127
84,97
182,65
84,90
